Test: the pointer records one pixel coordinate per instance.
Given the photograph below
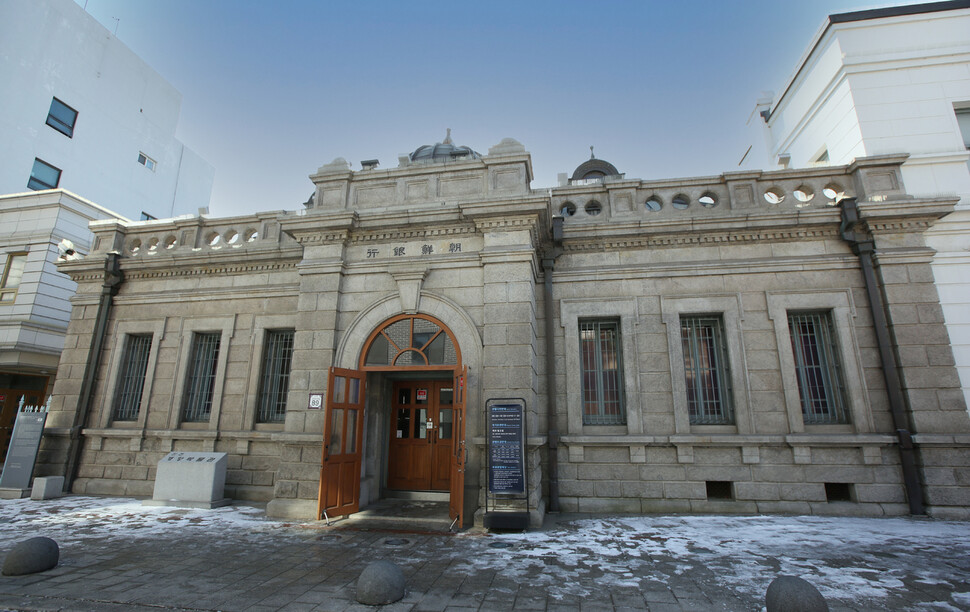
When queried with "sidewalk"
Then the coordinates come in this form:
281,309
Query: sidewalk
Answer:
119,555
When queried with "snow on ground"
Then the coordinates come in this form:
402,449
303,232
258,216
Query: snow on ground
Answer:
75,518
851,559
848,559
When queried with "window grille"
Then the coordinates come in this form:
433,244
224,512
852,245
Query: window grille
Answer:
706,370
131,379
275,380
601,369
201,378
817,367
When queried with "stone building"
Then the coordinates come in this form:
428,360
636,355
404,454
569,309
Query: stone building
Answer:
749,342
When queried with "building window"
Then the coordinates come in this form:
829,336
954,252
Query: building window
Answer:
275,380
12,273
201,378
963,120
62,118
706,369
599,343
817,368
131,380
43,176
146,161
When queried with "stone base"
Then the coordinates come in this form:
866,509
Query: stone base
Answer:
536,516
292,509
10,493
177,503
47,487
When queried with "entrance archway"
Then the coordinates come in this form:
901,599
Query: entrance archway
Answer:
413,365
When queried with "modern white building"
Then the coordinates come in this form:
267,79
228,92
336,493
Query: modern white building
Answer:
82,112
35,298
878,82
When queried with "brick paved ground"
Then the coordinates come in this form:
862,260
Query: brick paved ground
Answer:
117,556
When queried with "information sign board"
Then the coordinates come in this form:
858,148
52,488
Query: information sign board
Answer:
24,442
506,447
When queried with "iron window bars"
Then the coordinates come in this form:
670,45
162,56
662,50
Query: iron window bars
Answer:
601,373
131,379
275,380
202,378
817,368
706,370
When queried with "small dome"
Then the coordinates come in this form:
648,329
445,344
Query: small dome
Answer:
443,151
593,168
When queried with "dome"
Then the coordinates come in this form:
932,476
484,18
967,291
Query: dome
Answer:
593,168
443,151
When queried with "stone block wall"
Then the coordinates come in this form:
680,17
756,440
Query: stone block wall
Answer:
734,479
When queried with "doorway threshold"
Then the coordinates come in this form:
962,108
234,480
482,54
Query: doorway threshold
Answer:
401,515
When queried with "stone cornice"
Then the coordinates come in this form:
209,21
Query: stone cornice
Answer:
204,294
566,273
405,233
607,242
212,269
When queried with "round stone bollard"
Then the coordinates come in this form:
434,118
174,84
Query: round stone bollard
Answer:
31,556
381,582
792,594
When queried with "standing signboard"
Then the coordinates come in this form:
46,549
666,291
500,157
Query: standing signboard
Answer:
506,438
22,452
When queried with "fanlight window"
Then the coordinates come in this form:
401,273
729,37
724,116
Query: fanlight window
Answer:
411,341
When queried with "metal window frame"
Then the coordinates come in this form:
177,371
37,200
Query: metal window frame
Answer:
602,417
52,120
131,378
716,406
275,376
201,377
829,407
38,185
6,291
147,161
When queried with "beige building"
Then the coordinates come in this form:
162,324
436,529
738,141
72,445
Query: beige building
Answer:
749,342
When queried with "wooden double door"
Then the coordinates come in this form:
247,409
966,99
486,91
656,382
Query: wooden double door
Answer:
422,441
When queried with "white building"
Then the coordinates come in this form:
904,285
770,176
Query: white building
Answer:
82,112
34,297
887,81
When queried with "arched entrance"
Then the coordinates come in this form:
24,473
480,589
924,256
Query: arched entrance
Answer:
418,361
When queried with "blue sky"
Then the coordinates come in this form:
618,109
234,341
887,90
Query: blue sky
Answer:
273,90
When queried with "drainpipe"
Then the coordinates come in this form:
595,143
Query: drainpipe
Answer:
113,278
548,265
864,247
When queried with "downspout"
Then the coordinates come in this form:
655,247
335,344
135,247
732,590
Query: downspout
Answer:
864,248
113,278
548,265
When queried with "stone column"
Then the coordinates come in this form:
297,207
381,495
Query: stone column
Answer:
314,341
511,363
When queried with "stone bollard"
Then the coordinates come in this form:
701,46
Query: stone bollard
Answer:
381,582
47,487
792,594
31,556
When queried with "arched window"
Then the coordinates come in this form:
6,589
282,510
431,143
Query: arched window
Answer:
411,341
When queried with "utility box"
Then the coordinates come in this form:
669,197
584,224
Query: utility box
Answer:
190,480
